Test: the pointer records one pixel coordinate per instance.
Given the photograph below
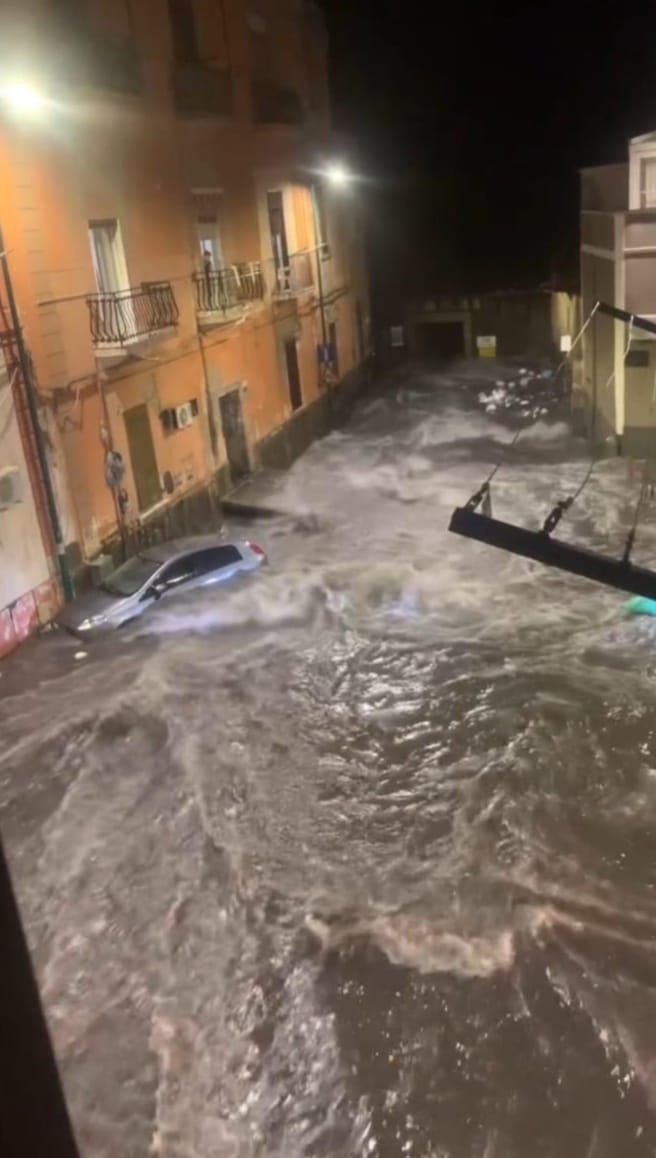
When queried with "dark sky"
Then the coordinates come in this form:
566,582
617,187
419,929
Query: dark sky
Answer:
472,135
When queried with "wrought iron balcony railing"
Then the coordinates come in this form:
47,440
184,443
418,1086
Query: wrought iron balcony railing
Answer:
228,288
119,317
274,104
293,278
200,90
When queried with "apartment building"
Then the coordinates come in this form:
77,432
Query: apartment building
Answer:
617,378
190,281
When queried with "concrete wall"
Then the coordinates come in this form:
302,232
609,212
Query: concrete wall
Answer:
599,389
27,588
605,188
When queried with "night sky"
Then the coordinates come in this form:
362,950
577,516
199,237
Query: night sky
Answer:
472,138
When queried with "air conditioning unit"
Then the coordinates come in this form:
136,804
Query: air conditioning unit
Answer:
11,487
184,415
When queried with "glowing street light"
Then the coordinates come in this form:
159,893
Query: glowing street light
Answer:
338,175
22,98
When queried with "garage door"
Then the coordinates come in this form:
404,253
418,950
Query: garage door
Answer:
441,339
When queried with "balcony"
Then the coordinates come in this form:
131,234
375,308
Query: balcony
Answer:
274,104
294,278
120,318
219,292
199,90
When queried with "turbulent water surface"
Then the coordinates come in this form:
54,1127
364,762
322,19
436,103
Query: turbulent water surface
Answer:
358,859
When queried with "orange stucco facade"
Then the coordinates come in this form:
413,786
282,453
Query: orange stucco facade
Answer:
164,245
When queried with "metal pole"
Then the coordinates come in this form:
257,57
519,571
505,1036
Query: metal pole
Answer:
26,372
319,246
34,1119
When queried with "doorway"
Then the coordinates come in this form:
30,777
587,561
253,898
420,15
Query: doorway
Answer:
234,434
332,341
142,456
441,339
278,231
293,374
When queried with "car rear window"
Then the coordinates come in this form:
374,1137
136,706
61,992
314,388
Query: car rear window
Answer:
214,558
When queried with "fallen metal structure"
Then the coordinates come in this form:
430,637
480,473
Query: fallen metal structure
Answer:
538,545
621,573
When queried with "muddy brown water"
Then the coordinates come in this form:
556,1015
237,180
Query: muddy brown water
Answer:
358,859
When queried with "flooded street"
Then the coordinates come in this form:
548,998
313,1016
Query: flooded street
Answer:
359,858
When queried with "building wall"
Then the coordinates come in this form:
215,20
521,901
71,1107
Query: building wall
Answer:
27,589
597,384
99,155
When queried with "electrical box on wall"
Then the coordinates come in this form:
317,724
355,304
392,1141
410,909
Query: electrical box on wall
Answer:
179,417
183,416
11,487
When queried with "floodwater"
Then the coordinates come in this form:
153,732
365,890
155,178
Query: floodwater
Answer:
358,859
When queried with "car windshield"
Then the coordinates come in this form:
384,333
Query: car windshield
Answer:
130,576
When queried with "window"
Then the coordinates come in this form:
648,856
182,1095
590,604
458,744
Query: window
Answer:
130,576
108,256
639,359
216,557
183,31
648,183
179,572
208,213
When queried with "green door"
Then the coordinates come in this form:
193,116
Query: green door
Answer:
142,456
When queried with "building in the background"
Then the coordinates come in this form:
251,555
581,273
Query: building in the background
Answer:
186,255
617,380
504,324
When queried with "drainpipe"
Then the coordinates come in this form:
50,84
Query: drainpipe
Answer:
318,247
26,372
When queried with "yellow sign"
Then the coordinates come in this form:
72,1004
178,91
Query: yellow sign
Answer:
486,344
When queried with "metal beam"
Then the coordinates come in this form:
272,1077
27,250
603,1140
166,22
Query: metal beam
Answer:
618,573
636,320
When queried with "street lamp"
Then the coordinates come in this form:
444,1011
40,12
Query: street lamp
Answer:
22,98
337,175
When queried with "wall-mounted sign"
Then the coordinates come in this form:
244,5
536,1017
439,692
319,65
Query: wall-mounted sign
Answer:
565,343
486,344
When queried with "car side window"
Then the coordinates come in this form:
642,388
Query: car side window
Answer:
177,573
213,558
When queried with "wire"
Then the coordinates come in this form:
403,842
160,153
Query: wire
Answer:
483,490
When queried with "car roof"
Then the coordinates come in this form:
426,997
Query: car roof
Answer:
164,552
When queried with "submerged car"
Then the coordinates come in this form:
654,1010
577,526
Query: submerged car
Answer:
158,573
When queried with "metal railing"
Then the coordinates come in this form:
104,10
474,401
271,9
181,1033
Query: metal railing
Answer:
228,288
200,90
116,318
274,104
295,277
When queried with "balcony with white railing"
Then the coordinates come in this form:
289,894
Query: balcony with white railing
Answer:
223,294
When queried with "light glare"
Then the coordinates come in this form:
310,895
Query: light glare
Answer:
22,97
338,175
